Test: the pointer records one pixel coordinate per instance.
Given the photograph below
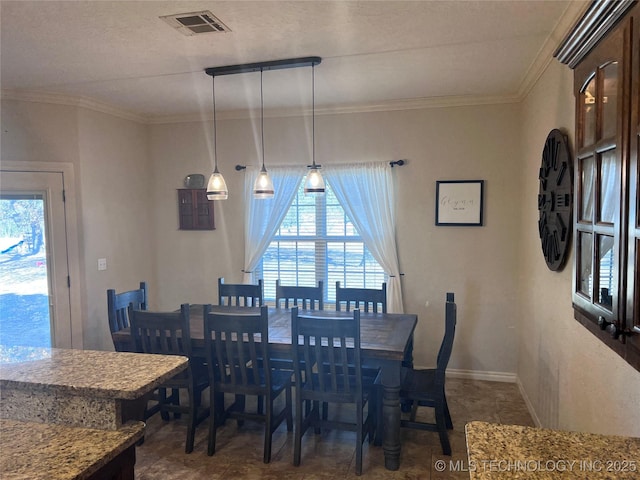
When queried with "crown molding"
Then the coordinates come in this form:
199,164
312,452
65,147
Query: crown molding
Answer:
393,105
571,15
592,26
72,101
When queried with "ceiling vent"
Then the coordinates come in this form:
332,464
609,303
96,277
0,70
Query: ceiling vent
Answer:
196,23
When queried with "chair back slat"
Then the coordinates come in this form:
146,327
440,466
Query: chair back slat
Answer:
237,348
307,298
240,294
118,305
328,349
165,333
365,299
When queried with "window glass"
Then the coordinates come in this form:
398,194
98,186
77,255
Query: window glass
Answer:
588,104
318,241
610,100
586,189
606,270
585,270
609,186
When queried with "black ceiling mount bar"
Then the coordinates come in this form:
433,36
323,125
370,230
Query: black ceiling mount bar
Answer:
264,66
393,163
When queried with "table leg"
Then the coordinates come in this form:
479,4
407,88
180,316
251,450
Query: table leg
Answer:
391,415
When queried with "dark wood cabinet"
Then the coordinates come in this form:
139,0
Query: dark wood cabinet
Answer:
604,51
195,210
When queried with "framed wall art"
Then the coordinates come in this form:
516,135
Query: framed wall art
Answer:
459,203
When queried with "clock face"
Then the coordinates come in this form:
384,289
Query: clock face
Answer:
555,199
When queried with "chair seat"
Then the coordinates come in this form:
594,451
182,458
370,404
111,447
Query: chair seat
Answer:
279,381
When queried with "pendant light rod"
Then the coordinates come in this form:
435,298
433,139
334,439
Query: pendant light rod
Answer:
313,117
262,120
215,127
260,66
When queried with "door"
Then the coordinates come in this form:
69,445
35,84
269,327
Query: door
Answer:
35,306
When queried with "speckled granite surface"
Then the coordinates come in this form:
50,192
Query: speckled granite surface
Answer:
37,451
91,373
511,451
78,387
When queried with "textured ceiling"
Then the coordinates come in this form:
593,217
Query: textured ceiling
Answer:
374,53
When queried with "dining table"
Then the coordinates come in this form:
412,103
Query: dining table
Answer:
386,342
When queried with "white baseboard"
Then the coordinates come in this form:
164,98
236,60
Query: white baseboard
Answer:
528,403
486,376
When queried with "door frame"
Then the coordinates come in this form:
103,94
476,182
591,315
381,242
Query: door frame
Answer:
72,236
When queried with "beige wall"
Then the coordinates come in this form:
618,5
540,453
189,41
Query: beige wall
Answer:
570,378
111,165
479,142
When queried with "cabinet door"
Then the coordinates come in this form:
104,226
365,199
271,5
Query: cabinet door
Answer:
601,83
195,210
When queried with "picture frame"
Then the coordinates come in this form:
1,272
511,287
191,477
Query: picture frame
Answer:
460,203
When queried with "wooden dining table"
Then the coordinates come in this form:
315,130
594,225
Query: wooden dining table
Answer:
386,342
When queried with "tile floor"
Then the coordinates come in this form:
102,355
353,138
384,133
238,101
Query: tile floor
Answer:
331,454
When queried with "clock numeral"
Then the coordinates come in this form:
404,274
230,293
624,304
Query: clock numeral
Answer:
562,200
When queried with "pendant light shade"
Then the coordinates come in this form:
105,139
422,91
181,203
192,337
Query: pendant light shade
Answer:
314,183
263,188
216,187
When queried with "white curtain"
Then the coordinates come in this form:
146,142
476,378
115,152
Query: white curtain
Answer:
263,217
367,194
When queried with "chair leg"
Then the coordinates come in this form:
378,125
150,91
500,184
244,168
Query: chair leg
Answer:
193,419
442,428
213,413
268,429
379,391
359,437
447,415
297,441
289,407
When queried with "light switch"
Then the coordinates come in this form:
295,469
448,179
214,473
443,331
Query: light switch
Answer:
102,264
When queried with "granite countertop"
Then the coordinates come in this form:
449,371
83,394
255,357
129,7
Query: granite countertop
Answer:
97,374
516,452
37,451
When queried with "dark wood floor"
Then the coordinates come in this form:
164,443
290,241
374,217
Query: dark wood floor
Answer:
331,454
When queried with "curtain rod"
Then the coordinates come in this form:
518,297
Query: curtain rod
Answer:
393,163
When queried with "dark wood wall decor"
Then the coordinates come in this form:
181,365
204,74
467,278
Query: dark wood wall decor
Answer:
555,199
195,210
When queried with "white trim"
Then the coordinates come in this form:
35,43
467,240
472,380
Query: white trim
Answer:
532,411
73,244
486,376
71,100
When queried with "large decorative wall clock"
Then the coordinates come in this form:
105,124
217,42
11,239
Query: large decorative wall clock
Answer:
555,199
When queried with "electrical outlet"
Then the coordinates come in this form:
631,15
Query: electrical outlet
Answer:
102,264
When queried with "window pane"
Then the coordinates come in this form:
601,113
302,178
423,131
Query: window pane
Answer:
586,189
609,188
606,270
610,100
585,257
311,245
588,104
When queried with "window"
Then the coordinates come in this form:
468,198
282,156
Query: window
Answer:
317,241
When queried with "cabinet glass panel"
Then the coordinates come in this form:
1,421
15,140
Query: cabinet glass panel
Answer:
585,259
609,186
606,271
610,100
588,104
586,189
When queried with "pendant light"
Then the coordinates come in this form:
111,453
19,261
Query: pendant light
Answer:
216,187
263,188
314,183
